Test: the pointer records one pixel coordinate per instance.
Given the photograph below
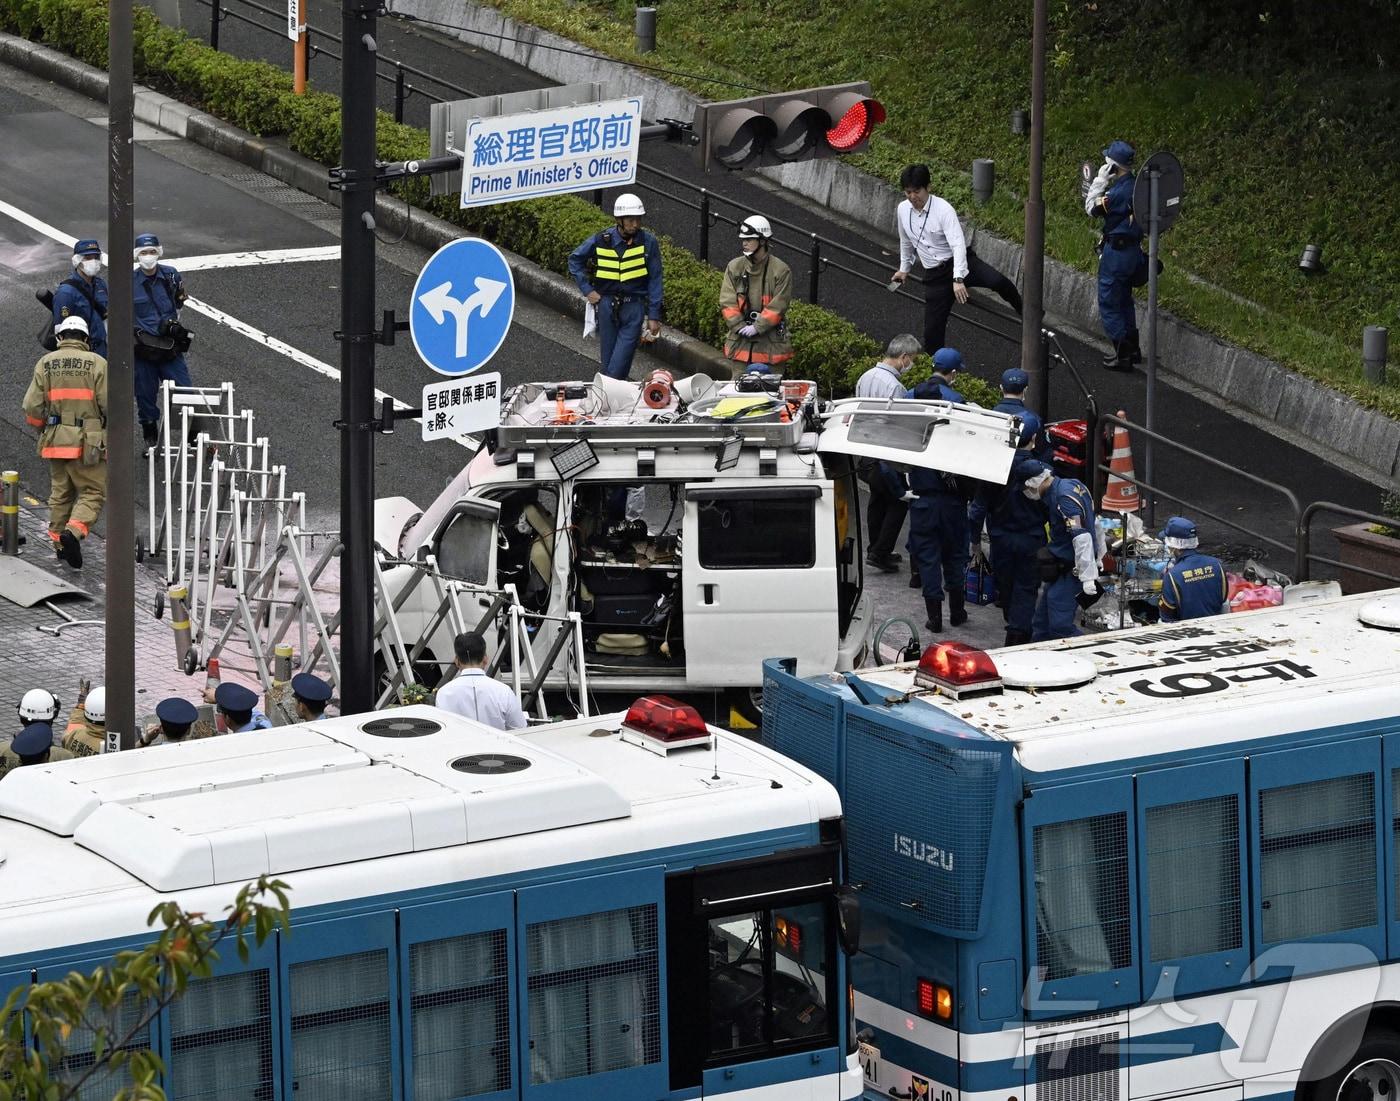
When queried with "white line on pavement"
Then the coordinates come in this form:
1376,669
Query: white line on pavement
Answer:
256,258
215,314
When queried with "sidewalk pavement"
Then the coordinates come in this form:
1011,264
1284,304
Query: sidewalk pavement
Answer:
36,658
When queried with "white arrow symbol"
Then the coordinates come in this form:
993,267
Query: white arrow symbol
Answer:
439,303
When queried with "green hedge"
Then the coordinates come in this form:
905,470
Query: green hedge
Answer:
258,97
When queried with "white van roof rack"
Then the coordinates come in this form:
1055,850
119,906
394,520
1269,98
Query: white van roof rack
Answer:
620,414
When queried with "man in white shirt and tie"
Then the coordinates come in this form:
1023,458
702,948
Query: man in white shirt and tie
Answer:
473,693
930,233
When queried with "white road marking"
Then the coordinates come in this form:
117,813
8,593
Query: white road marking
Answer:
256,258
218,315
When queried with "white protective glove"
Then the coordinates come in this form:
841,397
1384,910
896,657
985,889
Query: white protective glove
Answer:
1098,187
749,331
1086,566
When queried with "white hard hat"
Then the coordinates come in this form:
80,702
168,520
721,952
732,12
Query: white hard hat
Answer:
755,225
72,323
38,706
95,707
628,205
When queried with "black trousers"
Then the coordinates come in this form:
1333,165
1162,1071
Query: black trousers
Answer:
938,295
884,512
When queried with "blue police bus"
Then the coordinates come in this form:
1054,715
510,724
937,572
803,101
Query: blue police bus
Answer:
1156,863
627,907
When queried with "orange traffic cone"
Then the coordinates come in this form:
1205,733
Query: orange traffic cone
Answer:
1121,494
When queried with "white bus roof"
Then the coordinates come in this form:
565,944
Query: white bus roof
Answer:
1181,686
362,805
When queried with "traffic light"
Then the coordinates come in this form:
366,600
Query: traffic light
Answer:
787,126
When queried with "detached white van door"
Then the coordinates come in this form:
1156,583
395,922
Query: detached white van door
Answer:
466,544
959,439
758,578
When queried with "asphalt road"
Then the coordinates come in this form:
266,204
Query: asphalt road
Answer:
201,204
1198,424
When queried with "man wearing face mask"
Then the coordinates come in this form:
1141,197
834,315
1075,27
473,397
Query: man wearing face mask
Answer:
753,299
84,294
161,341
625,285
1069,566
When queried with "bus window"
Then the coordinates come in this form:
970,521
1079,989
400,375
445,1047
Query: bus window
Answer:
461,1016
737,980
1317,857
106,1081
1193,874
1083,921
340,1028
593,994
221,1038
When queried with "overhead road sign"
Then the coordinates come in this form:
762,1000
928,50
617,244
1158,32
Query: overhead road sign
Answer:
463,303
553,152
454,117
459,406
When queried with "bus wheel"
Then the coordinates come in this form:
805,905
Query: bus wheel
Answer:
1371,1074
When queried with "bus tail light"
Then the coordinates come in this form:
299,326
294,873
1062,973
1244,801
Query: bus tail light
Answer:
957,670
934,1000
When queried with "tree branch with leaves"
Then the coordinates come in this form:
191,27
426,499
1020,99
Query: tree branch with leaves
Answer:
81,1026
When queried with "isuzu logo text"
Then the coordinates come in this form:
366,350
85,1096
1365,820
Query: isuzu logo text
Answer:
923,852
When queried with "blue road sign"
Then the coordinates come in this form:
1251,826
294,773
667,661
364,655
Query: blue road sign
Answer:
463,303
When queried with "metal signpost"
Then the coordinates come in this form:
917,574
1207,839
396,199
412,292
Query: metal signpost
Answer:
462,306
514,157
1157,192
456,407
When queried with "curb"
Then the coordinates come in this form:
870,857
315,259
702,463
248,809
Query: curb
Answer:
1314,416
679,349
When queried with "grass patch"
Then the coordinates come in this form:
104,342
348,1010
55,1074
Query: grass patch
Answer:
1280,112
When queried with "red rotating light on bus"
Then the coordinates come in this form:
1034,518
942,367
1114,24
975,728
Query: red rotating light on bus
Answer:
855,125
666,719
957,668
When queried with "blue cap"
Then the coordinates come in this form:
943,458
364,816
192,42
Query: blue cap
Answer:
947,359
1179,527
86,245
34,739
1014,380
234,697
1022,469
310,688
1030,425
173,711
147,240
1120,153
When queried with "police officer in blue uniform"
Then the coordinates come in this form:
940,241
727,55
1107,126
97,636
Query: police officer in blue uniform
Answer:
84,294
947,362
1013,400
174,719
161,341
239,707
1016,530
311,694
1069,566
625,285
1122,263
1194,585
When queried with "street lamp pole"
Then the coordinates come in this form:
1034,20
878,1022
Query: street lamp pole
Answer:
357,347
120,675
1033,362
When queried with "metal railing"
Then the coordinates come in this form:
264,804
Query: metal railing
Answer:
1299,547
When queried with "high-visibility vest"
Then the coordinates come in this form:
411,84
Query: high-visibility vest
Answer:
620,265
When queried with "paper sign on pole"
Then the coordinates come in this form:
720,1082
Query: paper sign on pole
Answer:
462,405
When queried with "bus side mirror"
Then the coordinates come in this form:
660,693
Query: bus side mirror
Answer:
848,920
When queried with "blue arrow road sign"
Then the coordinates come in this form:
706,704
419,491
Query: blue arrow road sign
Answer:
463,303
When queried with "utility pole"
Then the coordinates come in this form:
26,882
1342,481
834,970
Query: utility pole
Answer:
120,676
357,342
1033,359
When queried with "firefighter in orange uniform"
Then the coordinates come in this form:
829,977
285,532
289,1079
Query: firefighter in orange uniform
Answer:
67,402
753,299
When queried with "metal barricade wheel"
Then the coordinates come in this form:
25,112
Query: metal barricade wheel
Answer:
191,661
158,608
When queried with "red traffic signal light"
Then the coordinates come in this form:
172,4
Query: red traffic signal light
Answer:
788,126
